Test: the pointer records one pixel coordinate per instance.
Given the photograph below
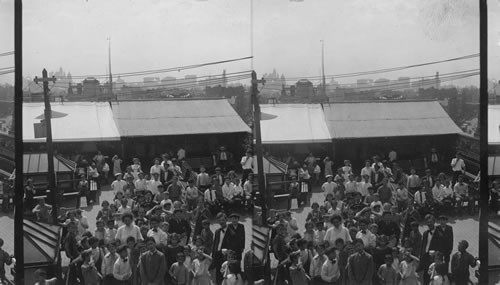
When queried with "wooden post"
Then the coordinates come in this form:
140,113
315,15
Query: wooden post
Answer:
258,148
52,195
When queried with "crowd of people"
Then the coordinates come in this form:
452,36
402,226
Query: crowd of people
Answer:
366,228
159,226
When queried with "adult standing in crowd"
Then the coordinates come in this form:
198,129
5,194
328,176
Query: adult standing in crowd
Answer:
447,238
458,167
181,154
246,165
221,244
432,241
117,164
99,160
156,167
328,165
360,265
432,161
223,158
236,236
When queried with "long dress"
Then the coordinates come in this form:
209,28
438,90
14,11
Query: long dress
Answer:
201,272
136,168
117,166
408,271
328,168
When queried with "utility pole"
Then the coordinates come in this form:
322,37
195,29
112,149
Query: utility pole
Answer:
323,67
258,146
251,34
50,151
109,63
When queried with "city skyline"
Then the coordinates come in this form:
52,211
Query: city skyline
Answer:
286,36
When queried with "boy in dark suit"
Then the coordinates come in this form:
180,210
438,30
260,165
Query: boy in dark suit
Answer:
236,236
432,241
447,238
220,244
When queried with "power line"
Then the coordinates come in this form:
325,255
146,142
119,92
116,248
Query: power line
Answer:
410,78
10,67
197,77
404,85
384,70
154,71
186,86
158,90
239,75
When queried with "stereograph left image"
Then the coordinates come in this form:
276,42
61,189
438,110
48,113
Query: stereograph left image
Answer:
137,142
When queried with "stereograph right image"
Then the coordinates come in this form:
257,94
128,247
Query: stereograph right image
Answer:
369,144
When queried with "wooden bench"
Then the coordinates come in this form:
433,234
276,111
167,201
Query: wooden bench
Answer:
66,194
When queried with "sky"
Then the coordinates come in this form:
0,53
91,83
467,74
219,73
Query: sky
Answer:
358,35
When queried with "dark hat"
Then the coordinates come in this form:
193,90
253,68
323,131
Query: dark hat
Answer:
444,218
234,215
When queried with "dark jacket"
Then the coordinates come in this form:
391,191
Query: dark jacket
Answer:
447,239
236,238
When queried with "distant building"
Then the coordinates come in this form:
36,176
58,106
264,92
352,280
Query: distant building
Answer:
382,83
403,83
118,83
363,84
91,87
191,80
169,82
151,82
210,81
304,88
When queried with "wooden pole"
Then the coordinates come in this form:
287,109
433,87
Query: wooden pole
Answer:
258,148
52,195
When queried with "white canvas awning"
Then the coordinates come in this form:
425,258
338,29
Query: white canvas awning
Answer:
73,122
294,124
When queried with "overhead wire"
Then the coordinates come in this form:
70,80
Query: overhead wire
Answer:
384,70
208,78
181,86
164,70
404,85
248,72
